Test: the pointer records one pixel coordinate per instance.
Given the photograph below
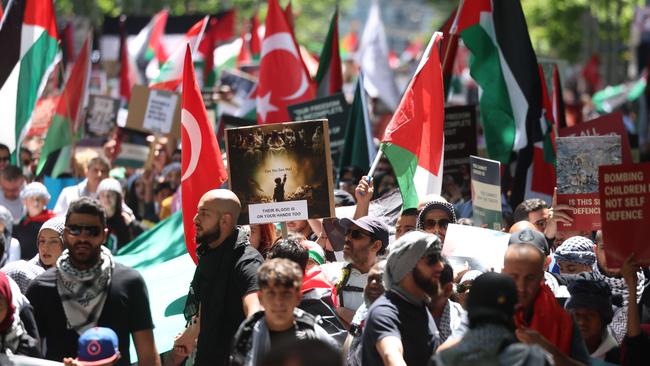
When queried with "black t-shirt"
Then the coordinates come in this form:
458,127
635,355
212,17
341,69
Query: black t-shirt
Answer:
391,315
220,291
283,337
126,311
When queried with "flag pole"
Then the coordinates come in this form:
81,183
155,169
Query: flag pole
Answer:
452,33
7,9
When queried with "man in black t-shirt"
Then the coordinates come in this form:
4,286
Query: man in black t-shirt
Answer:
224,289
399,328
86,288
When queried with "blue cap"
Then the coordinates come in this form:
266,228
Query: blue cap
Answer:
98,346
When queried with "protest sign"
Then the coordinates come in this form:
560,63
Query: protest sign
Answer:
625,209
281,172
154,111
101,117
486,192
133,148
578,159
609,124
335,109
471,247
460,143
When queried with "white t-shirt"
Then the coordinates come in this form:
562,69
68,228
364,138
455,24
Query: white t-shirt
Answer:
351,299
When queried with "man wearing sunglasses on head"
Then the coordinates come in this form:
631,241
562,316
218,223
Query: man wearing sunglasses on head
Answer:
366,238
86,288
435,216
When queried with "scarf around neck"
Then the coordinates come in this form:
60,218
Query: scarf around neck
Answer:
550,319
83,292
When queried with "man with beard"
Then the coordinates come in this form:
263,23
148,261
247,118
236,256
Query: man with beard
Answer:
86,288
399,329
365,239
224,289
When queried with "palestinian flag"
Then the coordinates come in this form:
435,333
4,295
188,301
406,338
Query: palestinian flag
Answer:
329,76
30,53
171,72
255,42
128,69
219,29
147,45
414,139
504,65
65,122
612,97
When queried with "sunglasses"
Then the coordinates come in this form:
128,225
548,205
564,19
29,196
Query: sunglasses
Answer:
358,234
463,287
431,223
433,258
91,230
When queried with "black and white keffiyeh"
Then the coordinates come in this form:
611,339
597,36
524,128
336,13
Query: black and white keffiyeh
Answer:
83,292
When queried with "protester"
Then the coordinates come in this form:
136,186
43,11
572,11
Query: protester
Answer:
366,238
406,222
96,170
12,182
5,156
35,198
98,346
122,225
14,338
280,281
50,246
575,255
446,313
533,210
87,288
374,289
224,286
491,338
318,294
434,218
399,328
619,287
141,196
540,319
262,236
303,352
11,246
303,228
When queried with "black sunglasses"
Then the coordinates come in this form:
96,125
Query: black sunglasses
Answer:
91,230
358,234
433,258
431,223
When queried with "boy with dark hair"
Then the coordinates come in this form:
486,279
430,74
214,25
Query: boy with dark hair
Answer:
279,281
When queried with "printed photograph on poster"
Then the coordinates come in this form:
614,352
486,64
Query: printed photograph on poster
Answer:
101,117
578,159
281,172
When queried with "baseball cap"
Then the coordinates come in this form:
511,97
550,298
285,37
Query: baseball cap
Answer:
528,236
373,225
97,346
492,298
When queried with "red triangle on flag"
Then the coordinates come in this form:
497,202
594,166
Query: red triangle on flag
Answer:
202,168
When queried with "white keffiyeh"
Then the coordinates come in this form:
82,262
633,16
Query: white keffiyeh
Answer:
83,292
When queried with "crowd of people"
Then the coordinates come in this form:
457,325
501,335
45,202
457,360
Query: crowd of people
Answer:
379,292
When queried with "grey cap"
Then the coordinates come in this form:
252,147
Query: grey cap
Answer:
405,253
532,237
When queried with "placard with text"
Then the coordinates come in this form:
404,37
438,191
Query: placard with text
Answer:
578,159
486,192
460,143
625,210
281,172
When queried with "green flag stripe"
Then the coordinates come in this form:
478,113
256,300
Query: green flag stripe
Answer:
496,111
34,68
58,136
404,165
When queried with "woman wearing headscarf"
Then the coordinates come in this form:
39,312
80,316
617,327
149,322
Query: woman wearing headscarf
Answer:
11,248
123,226
14,339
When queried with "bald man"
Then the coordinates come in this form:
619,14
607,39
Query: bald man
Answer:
224,289
540,319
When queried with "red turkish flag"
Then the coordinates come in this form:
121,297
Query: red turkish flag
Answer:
283,78
202,168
